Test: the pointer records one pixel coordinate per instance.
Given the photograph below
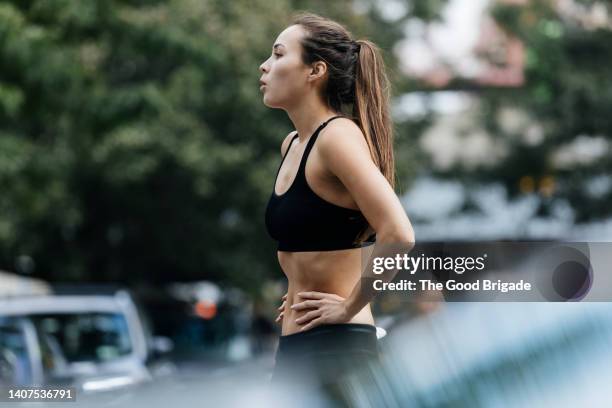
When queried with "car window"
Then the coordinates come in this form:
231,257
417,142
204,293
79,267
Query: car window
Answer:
15,367
72,337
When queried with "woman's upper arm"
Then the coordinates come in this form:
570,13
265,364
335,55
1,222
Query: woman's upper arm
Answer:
345,152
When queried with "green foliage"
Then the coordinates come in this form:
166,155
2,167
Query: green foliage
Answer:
134,145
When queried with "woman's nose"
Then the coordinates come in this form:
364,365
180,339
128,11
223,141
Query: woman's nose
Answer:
262,67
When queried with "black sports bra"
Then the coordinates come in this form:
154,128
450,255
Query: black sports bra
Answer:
300,220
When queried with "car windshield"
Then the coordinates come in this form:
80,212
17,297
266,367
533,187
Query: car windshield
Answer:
73,337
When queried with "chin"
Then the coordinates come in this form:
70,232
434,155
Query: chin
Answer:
270,104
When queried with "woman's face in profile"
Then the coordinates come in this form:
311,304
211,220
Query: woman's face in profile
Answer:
284,73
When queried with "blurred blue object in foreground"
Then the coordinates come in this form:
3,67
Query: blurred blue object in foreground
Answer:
495,355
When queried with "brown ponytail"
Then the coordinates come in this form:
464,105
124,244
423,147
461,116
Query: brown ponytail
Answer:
371,107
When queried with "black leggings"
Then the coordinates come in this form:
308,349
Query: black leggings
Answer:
323,355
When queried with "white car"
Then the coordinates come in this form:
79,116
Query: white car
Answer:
92,342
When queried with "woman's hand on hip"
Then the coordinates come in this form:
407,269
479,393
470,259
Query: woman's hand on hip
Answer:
281,308
325,308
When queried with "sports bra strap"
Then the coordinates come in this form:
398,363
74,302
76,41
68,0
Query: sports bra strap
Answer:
312,140
290,144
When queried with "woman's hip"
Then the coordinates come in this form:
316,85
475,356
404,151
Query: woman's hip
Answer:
326,352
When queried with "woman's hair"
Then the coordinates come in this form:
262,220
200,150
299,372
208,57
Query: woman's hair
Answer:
357,77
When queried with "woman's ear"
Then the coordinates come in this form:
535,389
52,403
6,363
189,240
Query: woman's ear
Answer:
318,71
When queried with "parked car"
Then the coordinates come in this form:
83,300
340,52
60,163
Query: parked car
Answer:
16,359
95,342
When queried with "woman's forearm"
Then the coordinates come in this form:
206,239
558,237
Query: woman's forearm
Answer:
387,245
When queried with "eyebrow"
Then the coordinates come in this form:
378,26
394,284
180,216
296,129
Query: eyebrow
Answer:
277,45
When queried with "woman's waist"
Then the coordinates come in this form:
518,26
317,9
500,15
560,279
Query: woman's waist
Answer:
290,326
341,285
322,273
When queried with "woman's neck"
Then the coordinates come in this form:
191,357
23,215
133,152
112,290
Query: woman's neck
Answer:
307,118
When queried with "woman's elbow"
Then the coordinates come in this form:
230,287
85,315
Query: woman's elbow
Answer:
398,235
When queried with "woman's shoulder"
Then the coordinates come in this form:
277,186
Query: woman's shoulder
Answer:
342,135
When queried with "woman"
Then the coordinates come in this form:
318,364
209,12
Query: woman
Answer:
333,194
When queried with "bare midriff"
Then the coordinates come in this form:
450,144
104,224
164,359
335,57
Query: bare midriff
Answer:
334,272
